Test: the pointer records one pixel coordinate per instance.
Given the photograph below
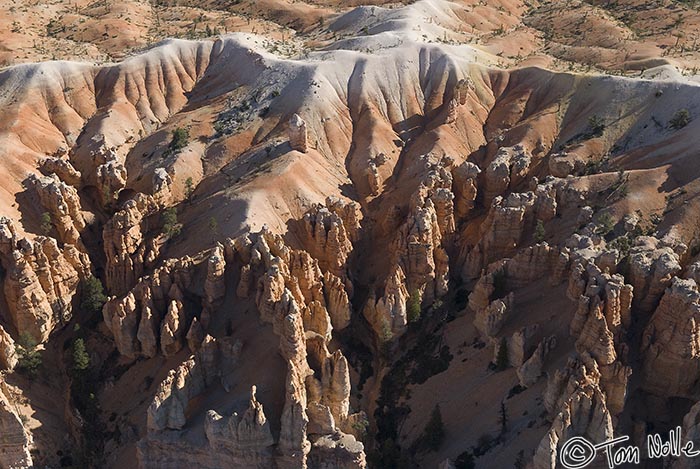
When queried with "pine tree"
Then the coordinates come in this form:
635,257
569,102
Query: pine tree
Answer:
81,359
189,188
171,227
28,357
434,433
93,295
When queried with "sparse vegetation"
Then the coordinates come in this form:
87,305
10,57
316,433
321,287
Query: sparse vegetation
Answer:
680,119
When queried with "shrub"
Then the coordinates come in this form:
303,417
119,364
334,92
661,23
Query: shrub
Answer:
28,357
93,295
46,224
171,227
413,309
680,119
539,231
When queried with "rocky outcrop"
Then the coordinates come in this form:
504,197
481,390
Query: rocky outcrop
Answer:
509,167
162,187
61,168
671,342
126,251
195,335
520,344
577,407
338,451
62,203
150,316
465,177
215,285
172,330
489,320
501,232
690,433
15,441
191,378
530,371
337,301
122,320
652,265
604,309
8,357
614,379
533,263
111,179
40,281
293,444
326,239
387,315
246,438
295,297
420,264
298,139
